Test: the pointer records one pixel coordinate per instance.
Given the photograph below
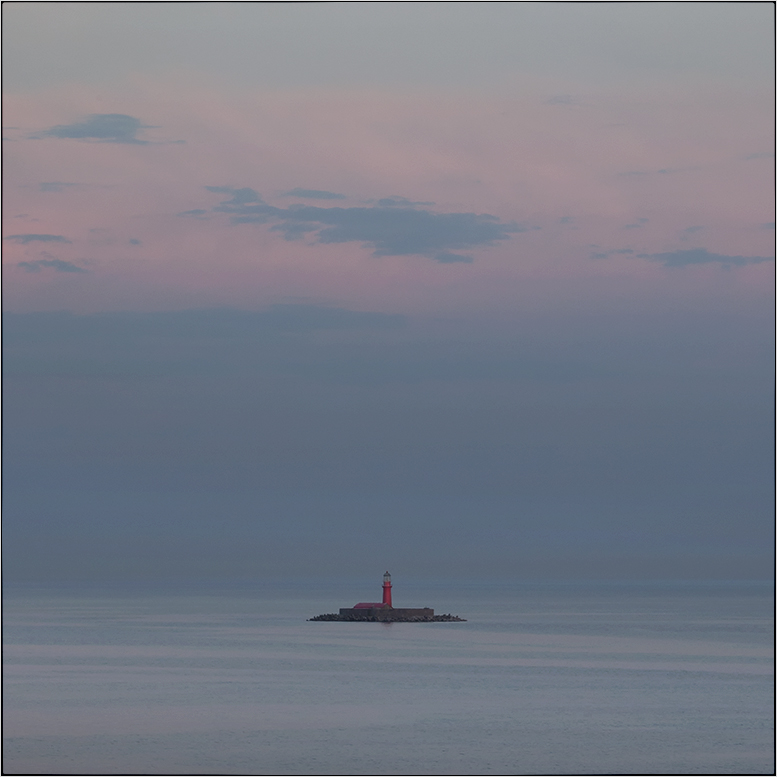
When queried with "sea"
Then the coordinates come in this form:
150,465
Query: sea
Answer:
543,678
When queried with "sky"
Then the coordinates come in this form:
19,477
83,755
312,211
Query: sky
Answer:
454,289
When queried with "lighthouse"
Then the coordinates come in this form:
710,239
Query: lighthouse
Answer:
387,590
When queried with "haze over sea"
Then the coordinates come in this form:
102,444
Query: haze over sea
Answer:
543,678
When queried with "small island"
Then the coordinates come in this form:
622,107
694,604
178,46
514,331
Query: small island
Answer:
384,611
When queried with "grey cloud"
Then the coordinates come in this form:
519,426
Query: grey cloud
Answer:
761,155
260,218
399,202
702,256
239,196
662,171
668,170
195,212
314,194
30,238
391,231
55,186
565,220
639,223
394,231
105,127
768,225
134,241
290,231
614,252
54,264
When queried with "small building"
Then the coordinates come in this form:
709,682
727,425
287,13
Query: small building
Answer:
382,613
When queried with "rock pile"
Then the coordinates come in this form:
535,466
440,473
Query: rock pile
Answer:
332,616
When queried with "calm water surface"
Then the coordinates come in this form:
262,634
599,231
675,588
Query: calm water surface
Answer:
541,679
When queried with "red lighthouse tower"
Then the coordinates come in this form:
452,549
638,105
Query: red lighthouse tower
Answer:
387,590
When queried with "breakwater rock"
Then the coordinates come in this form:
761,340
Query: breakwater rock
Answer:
387,617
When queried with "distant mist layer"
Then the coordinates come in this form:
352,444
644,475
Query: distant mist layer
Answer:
300,439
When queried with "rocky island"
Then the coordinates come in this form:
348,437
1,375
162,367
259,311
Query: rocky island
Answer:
385,612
